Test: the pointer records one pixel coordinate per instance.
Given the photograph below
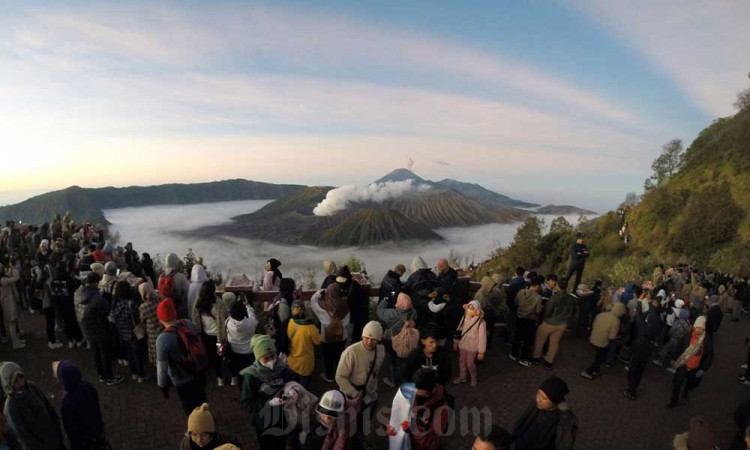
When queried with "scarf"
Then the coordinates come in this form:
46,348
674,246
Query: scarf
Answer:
262,372
333,303
690,352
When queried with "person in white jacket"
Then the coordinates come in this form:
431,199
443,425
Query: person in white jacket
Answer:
197,278
241,326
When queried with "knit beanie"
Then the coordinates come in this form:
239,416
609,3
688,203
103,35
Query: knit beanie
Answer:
97,268
166,311
201,420
373,330
679,303
555,389
700,436
111,268
403,301
700,322
262,345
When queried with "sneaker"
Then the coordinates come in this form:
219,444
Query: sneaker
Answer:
102,379
744,366
54,345
387,381
627,368
460,380
596,374
116,380
79,344
525,363
234,381
220,382
657,362
627,394
473,383
88,345
608,366
134,377
671,370
547,365
71,344
513,358
587,375
19,345
325,378
744,381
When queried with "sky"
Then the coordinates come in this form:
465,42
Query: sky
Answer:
549,102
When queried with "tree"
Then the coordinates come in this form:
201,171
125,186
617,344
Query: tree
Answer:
560,225
666,165
524,250
743,100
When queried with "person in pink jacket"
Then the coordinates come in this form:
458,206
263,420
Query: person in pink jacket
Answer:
471,340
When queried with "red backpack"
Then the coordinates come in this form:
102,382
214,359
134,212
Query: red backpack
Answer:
193,356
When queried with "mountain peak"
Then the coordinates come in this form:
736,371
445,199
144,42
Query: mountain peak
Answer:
401,175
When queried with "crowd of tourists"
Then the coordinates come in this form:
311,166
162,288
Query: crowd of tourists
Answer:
128,309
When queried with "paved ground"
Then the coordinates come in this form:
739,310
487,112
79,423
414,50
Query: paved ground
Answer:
138,417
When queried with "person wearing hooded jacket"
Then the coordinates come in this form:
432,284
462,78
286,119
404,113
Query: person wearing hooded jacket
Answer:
147,313
472,342
547,423
644,334
303,337
395,319
96,328
692,358
30,414
9,302
80,411
392,285
421,282
181,283
197,278
262,386
605,329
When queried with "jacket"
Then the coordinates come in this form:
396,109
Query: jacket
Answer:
392,318
607,326
578,254
390,287
81,414
259,385
240,333
546,430
438,361
9,296
354,365
197,278
302,342
560,308
221,320
713,319
324,318
529,304
708,350
474,334
95,322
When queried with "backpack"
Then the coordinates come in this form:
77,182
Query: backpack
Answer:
193,356
59,288
680,329
405,341
334,331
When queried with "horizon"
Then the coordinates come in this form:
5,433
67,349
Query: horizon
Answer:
526,100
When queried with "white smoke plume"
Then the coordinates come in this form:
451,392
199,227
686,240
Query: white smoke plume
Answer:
339,199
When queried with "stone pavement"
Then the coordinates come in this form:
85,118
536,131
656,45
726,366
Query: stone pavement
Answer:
138,417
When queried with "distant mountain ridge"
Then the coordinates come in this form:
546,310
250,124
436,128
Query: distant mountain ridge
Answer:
563,210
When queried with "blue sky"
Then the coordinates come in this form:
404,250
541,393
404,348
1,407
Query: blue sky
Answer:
564,102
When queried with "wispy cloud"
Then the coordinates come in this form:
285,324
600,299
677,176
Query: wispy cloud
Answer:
701,45
440,162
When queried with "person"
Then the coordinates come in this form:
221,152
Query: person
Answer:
431,412
471,342
644,334
421,282
201,431
606,328
209,317
740,293
332,311
280,310
528,308
79,408
180,286
357,374
262,386
330,269
579,253
30,414
490,298
43,279
331,428
358,300
395,317
514,287
241,327
131,259
95,325
558,311
550,286
272,278
303,337
147,267
61,289
587,311
428,355
197,278
123,310
698,437
548,422
713,316
391,285
498,438
9,301
692,359
147,313
171,369
447,278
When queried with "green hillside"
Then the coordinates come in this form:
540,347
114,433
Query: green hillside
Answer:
374,226
86,204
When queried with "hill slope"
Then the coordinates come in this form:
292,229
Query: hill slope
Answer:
86,204
369,226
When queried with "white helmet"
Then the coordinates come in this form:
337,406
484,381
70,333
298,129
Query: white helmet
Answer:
332,403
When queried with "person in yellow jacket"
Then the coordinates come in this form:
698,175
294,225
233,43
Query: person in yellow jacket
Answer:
303,337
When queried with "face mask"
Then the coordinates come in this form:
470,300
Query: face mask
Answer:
269,364
470,312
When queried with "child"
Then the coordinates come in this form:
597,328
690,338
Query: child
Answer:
332,423
303,337
471,339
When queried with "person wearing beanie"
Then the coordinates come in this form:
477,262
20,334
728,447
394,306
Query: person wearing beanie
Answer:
358,369
470,342
29,412
548,422
241,327
202,433
579,253
394,320
79,409
692,358
98,268
303,337
557,313
262,388
391,285
95,311
421,281
330,269
170,367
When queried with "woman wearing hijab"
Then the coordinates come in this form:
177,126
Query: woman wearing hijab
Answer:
272,278
80,411
30,415
197,278
332,310
150,301
147,265
62,289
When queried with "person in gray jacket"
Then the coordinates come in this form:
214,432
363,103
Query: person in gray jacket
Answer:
557,313
394,320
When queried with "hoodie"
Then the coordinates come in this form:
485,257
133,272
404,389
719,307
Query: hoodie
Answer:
30,415
197,278
240,333
81,415
94,317
181,283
